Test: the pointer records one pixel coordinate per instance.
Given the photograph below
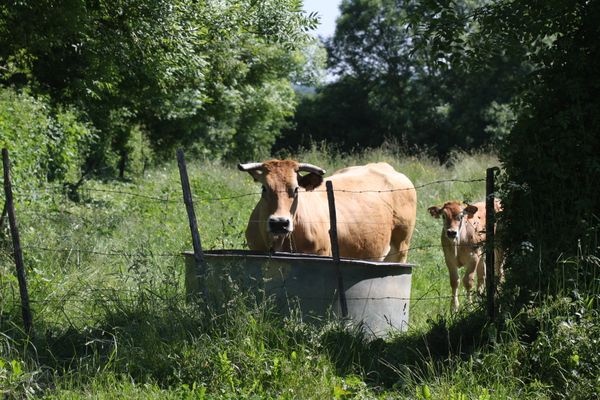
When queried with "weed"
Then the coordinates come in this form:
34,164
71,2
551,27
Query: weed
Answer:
111,320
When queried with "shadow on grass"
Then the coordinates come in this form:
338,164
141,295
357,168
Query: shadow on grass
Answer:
383,361
172,342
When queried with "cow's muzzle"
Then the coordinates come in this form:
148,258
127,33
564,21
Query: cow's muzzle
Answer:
280,225
451,233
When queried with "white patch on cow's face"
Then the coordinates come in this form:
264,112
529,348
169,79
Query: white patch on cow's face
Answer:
282,205
281,182
280,199
452,215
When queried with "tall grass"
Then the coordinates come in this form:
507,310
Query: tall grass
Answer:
110,320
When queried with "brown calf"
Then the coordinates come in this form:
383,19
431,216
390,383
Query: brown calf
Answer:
463,234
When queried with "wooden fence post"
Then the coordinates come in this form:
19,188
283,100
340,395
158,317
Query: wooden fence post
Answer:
335,251
14,232
189,205
489,245
4,211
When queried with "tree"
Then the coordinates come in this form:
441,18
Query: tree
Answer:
550,156
45,143
218,70
394,83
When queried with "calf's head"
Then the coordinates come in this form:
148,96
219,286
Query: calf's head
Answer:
281,181
452,214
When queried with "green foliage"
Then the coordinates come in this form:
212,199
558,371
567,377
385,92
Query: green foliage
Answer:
15,379
110,318
396,83
45,143
551,156
211,74
565,348
106,283
550,146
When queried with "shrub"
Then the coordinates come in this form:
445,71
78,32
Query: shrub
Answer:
551,160
45,143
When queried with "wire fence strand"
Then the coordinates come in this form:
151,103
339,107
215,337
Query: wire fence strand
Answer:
102,253
171,196
174,197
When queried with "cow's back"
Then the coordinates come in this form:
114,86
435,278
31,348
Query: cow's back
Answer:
375,206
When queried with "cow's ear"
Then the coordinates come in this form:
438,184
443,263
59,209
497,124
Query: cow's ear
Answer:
256,175
435,211
254,169
471,210
310,181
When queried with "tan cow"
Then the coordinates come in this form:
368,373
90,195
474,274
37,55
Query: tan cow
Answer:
463,234
375,207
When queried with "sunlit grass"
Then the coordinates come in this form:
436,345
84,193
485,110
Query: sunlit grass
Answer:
111,320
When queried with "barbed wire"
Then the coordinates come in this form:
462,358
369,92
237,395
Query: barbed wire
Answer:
406,189
132,194
181,254
90,216
174,197
338,222
66,298
64,191
168,198
354,191
102,253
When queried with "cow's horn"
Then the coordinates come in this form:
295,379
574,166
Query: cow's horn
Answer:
250,166
311,168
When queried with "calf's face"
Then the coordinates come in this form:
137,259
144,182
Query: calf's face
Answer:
452,213
281,182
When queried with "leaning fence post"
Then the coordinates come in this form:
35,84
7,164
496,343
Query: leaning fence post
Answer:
4,211
489,248
189,205
335,251
14,232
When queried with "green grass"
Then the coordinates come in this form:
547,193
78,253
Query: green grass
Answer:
110,320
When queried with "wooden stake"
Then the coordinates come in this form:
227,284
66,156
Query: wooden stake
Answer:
14,231
4,211
189,205
335,251
489,241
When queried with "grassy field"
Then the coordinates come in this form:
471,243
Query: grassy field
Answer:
110,321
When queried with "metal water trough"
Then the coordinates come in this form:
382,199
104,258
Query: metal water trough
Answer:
377,293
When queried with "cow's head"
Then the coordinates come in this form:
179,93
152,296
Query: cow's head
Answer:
281,181
452,213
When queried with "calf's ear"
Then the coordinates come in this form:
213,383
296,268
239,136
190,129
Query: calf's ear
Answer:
310,180
471,210
435,211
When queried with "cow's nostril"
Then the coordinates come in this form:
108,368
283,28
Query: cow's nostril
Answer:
451,233
279,225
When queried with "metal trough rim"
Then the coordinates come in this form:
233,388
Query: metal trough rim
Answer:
280,255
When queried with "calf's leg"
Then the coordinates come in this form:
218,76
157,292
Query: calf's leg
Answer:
469,277
452,265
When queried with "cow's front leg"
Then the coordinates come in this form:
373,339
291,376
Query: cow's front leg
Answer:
480,275
469,277
452,265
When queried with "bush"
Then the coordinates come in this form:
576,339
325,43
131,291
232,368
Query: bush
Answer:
565,352
552,167
45,143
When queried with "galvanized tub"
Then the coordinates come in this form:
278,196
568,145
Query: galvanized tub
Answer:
377,293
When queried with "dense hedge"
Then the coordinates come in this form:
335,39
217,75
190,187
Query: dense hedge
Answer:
552,165
44,143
